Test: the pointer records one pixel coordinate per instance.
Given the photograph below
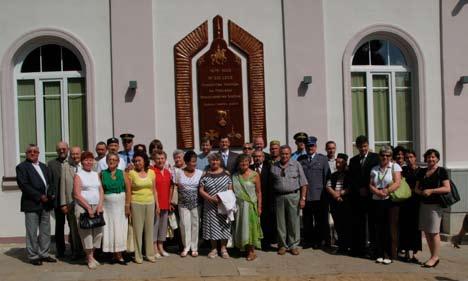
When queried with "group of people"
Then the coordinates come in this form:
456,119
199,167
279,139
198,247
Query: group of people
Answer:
254,200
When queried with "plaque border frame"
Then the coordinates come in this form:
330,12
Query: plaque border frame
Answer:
184,51
253,49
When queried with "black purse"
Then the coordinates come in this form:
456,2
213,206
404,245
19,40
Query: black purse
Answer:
87,222
448,199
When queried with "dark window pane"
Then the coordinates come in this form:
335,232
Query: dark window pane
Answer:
70,61
32,62
361,56
396,56
51,58
378,52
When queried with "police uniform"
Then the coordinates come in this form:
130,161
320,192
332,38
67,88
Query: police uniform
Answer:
299,137
127,156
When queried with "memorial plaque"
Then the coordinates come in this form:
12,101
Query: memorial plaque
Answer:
220,106
219,83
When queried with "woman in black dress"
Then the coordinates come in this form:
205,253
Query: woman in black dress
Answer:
431,183
410,235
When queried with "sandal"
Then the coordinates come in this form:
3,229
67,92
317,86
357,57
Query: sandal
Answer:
213,254
251,257
184,254
194,254
225,254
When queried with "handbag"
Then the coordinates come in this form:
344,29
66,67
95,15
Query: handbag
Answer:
402,193
86,222
450,198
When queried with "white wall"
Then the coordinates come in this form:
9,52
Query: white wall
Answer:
87,20
419,18
173,20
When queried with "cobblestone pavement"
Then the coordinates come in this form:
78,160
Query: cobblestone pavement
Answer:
309,265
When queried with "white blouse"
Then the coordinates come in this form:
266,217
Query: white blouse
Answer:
382,178
90,184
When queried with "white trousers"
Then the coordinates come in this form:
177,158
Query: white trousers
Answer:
189,225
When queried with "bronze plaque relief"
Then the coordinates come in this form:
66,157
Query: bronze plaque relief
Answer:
220,106
219,84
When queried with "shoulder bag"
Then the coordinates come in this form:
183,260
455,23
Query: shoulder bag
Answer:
403,192
450,198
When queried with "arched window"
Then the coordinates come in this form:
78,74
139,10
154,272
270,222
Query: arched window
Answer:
51,99
381,86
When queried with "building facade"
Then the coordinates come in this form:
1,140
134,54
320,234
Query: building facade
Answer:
392,70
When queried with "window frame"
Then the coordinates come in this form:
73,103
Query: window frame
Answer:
39,78
389,70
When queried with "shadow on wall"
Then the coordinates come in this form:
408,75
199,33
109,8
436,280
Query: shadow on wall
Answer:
458,88
130,95
456,10
302,89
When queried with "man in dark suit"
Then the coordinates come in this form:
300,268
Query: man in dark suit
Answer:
259,145
359,169
55,168
315,212
34,179
268,216
229,158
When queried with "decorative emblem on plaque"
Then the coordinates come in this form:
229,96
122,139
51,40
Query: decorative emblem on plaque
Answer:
222,115
219,57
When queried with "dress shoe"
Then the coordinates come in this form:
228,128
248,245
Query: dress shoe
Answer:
36,262
425,265
295,251
282,251
49,259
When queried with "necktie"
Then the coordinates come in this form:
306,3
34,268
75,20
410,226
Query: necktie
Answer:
257,169
225,157
363,159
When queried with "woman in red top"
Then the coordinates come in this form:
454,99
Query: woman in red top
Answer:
164,188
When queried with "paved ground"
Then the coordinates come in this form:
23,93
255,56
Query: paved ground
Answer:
310,265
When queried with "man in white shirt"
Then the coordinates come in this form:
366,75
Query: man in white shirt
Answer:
37,198
330,148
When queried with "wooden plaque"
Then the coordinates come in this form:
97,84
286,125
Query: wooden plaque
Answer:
220,106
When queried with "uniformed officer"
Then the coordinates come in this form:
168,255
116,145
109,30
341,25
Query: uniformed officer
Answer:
301,139
127,153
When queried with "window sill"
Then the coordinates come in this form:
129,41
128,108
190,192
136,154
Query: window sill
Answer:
9,183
